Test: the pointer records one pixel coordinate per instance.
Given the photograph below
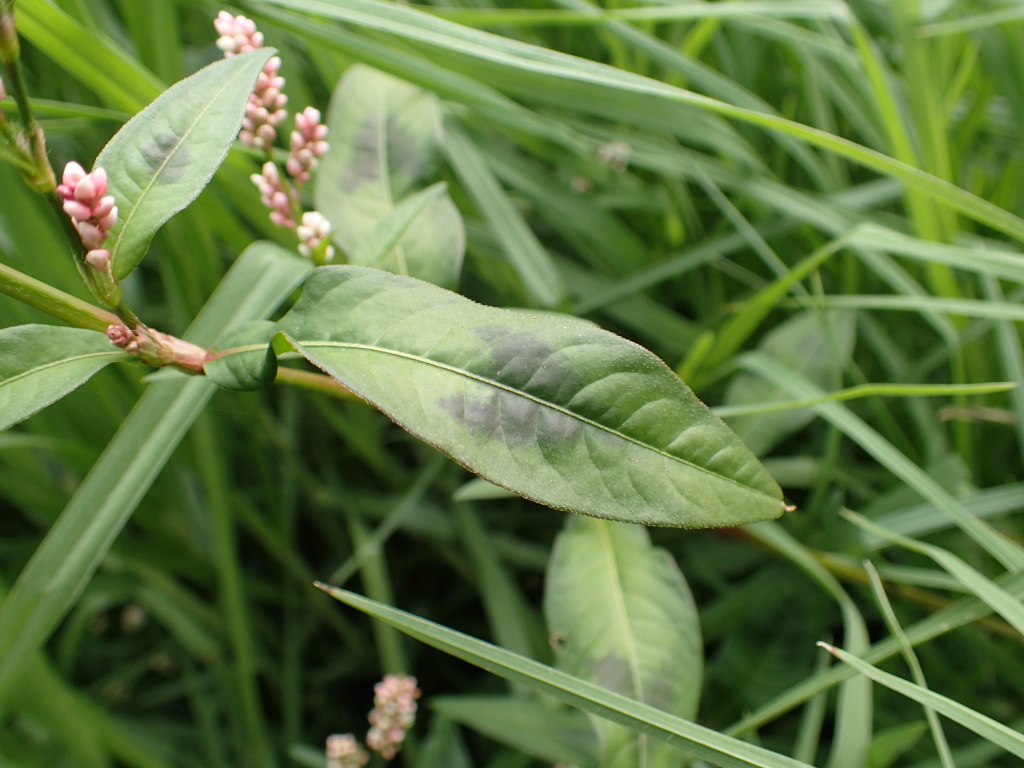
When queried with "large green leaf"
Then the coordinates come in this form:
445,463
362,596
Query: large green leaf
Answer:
39,364
163,157
622,616
384,143
554,409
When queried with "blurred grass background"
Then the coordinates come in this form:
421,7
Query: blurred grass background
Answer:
745,240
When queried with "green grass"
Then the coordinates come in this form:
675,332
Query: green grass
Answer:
818,224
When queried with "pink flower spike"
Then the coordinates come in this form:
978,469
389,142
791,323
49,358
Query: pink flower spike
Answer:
93,212
238,34
306,143
393,714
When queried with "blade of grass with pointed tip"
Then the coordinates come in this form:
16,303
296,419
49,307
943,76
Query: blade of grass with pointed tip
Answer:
39,364
1006,551
697,740
542,74
73,549
1000,601
989,729
554,409
93,59
163,157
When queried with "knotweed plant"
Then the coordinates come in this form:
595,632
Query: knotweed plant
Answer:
249,348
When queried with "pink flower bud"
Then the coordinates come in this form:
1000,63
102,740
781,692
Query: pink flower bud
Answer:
73,173
122,336
103,207
98,259
77,210
85,189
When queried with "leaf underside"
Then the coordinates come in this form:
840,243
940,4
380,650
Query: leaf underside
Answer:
553,409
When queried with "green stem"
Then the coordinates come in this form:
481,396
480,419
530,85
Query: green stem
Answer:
53,301
32,141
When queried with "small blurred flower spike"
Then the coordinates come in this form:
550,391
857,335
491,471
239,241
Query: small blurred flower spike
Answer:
265,110
313,233
343,751
92,210
3,90
307,144
393,714
281,201
238,34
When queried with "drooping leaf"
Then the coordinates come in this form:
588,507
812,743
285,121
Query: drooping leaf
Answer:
622,616
383,146
39,364
556,410
162,158
247,361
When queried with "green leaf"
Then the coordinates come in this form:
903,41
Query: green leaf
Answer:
90,57
557,734
247,360
384,144
699,741
39,364
816,344
555,410
59,569
163,157
990,730
622,616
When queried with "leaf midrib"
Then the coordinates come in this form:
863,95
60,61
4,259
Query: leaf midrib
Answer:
528,396
127,228
55,363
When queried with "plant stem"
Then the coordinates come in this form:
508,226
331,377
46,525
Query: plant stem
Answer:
31,141
54,301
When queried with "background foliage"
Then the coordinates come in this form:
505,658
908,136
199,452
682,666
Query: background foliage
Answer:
824,243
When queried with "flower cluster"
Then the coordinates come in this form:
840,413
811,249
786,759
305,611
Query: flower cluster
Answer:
313,233
92,210
307,144
343,751
237,34
393,714
263,114
281,200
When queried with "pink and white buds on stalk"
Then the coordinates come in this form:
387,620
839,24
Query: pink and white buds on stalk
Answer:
265,110
307,144
313,233
238,34
92,210
393,714
281,201
343,751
